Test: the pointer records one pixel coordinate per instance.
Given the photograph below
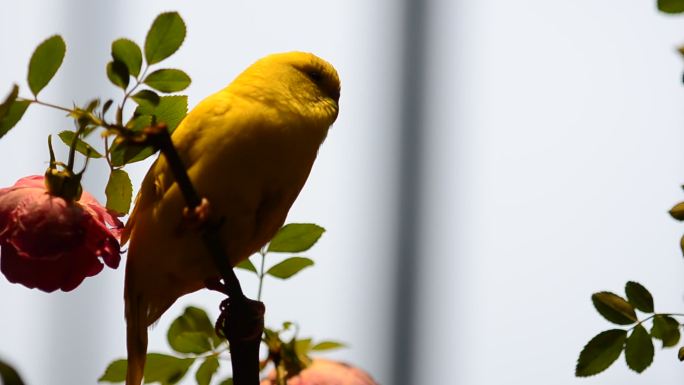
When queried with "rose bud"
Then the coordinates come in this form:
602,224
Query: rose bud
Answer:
54,242
326,372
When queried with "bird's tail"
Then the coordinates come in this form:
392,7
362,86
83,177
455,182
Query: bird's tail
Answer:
136,334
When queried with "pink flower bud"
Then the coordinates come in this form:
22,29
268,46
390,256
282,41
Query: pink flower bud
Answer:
49,243
326,372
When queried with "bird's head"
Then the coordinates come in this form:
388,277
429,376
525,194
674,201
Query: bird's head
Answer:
297,81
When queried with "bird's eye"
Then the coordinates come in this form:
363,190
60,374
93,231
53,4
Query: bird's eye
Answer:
314,75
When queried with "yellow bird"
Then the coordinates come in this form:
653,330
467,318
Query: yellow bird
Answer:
248,150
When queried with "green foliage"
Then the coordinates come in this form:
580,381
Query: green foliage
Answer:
170,110
168,80
295,238
639,349
45,61
639,297
9,375
164,37
166,369
82,147
604,349
666,329
11,111
149,98
289,267
207,370
119,191
192,332
128,52
117,73
328,345
115,372
614,308
671,6
247,265
600,352
677,212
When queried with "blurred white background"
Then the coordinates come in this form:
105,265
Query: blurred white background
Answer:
540,156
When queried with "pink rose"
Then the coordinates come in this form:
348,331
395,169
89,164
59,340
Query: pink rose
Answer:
326,372
49,243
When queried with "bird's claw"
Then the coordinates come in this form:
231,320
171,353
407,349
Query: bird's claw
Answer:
200,214
195,218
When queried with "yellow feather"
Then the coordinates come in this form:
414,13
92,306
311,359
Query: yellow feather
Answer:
248,149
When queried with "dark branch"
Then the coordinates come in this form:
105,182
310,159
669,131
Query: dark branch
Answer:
242,319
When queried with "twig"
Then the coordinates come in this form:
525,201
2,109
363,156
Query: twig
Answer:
242,319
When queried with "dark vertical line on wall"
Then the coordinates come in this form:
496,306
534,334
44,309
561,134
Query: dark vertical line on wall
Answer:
409,189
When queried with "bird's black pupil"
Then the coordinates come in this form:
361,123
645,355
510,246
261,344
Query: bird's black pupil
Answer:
315,75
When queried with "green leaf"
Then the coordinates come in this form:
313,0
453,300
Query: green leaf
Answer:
599,353
166,369
164,37
106,106
115,372
168,80
614,308
45,61
677,212
666,329
289,267
671,6
81,146
639,349
92,105
9,375
192,332
118,74
9,100
294,356
11,111
150,98
170,110
328,345
127,52
247,265
639,297
302,346
207,370
227,381
119,191
295,238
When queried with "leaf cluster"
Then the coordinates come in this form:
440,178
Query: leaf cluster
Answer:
291,238
193,339
131,70
637,342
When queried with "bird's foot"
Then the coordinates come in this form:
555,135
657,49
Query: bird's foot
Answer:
240,320
199,215
196,218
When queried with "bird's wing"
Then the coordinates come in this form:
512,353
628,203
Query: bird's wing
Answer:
159,178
